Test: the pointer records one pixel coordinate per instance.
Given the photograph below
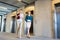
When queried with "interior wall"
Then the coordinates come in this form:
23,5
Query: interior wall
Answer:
42,19
29,8
8,21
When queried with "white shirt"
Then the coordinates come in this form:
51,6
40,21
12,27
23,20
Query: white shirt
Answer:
21,15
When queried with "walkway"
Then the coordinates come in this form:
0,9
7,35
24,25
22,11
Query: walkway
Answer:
10,36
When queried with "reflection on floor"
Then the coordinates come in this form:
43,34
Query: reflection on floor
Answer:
10,36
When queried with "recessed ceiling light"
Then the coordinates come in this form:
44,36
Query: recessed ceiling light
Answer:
19,0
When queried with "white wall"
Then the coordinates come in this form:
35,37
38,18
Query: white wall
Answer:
42,20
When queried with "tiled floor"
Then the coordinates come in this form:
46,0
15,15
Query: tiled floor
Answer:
10,36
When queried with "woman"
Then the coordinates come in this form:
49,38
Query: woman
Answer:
20,17
28,20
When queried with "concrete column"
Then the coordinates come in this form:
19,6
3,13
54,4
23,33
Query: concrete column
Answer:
42,18
8,23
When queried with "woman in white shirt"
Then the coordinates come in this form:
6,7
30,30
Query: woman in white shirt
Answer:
20,17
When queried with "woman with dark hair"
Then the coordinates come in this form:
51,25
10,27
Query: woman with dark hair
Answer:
28,20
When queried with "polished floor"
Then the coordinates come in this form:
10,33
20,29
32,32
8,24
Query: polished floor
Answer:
10,36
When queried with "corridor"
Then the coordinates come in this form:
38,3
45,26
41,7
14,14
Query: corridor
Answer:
38,19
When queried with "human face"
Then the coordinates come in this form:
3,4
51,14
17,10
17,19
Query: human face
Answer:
29,13
21,11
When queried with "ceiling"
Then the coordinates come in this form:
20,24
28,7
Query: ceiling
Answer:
17,3
4,8
7,6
